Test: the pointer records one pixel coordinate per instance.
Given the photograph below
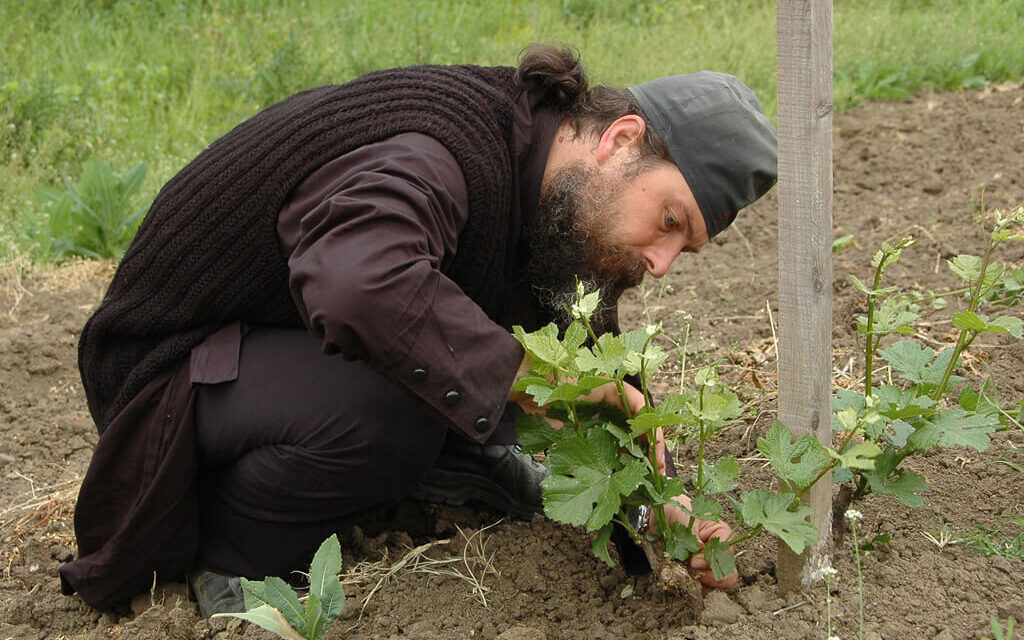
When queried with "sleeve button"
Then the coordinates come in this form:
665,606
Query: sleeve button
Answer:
419,375
452,398
481,425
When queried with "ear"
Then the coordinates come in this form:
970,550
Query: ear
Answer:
623,135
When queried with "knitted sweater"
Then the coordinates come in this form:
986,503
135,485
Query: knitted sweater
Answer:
208,254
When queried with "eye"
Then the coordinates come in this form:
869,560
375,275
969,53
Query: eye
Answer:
670,220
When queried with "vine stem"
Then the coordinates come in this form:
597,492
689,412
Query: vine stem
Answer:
659,511
963,341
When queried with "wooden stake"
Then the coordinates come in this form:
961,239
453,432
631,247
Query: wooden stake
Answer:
805,251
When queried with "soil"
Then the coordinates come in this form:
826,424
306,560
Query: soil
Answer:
914,167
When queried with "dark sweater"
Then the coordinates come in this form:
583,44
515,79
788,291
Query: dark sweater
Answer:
207,253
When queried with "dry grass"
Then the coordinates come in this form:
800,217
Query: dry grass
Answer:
34,510
471,565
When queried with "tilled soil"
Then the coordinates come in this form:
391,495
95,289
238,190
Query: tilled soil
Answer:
916,167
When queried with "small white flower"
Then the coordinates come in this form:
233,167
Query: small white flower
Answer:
833,638
853,515
829,572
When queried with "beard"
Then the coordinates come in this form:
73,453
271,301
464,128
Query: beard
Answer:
569,240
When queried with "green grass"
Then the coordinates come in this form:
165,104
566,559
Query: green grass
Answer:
155,81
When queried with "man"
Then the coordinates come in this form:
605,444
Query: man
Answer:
404,221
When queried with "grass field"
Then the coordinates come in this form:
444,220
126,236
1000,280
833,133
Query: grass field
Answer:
129,82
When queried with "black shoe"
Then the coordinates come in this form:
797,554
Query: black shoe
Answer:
216,592
496,475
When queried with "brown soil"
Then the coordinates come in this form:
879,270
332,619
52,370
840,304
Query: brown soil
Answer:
901,168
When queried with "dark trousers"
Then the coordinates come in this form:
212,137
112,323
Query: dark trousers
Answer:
298,447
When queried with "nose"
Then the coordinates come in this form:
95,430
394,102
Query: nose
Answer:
659,257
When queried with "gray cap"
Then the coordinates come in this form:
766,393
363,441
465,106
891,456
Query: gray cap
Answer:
718,136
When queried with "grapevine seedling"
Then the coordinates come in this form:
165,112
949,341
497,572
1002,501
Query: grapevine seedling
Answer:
891,421
602,462
274,605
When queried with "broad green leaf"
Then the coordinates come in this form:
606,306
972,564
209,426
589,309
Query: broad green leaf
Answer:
1009,324
859,456
282,597
582,488
604,358
652,418
909,358
705,508
575,336
904,485
253,592
798,463
588,496
897,404
780,514
544,346
721,476
892,316
323,579
325,566
898,433
966,267
723,563
968,320
721,408
534,434
600,545
523,383
958,428
314,618
680,543
267,617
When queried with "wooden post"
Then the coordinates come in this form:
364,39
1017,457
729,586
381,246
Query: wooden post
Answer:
805,251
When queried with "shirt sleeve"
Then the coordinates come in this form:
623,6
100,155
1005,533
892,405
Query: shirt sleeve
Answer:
367,238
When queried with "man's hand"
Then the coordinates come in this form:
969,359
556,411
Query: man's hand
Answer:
703,529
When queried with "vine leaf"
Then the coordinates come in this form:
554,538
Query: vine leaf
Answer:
799,462
774,513
723,563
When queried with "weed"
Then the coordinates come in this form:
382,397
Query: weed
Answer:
991,541
997,630
273,605
96,219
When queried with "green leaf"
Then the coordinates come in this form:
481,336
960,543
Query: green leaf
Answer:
544,346
957,427
583,489
723,563
1009,324
721,408
720,477
653,417
604,359
909,358
267,617
314,619
798,463
535,435
325,567
859,456
904,485
600,545
323,579
282,597
680,543
780,514
705,508
968,320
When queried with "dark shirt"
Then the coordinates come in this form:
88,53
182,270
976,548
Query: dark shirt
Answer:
392,212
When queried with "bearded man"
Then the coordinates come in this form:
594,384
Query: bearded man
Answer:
404,221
